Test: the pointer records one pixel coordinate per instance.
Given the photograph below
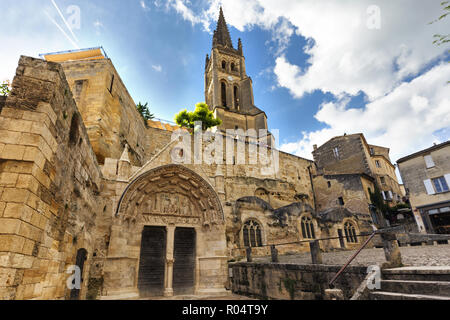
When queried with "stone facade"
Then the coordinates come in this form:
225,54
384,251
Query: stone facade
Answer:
351,154
228,88
50,185
426,176
83,178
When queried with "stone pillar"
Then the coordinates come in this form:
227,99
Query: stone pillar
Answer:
124,166
316,255
274,253
249,254
391,251
168,290
220,183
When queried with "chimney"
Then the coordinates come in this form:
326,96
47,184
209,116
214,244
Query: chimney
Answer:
315,147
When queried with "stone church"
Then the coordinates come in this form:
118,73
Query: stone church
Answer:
85,181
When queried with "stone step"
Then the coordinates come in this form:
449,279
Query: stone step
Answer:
438,288
440,273
382,295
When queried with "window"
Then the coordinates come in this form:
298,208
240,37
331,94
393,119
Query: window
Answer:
236,97
111,85
377,163
252,234
329,184
429,161
382,180
372,152
224,94
307,228
350,232
341,201
233,67
336,152
387,195
440,185
224,65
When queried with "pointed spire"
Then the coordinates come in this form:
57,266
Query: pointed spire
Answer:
221,34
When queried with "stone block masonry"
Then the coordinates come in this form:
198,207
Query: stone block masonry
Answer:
49,184
292,281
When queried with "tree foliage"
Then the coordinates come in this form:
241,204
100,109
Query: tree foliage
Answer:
440,39
144,112
5,88
186,119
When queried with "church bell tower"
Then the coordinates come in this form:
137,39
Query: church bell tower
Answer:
228,89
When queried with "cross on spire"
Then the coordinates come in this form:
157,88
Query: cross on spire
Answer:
221,34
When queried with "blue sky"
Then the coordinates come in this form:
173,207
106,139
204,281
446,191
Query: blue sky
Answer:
318,69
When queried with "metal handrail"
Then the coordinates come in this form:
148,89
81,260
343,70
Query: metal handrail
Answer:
375,232
351,259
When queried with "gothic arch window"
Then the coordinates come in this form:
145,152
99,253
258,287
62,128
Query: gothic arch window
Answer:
350,232
236,97
224,94
252,234
233,67
307,226
224,65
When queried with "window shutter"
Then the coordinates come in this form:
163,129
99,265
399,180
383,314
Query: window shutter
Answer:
429,186
429,161
447,178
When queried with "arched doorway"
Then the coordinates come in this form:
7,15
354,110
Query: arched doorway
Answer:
169,231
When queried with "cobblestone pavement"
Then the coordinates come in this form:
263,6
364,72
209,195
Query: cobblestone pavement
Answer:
412,256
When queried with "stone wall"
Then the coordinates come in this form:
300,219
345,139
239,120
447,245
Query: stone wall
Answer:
351,156
329,188
107,109
292,282
49,185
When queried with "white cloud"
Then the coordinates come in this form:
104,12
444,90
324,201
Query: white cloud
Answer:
157,68
144,5
404,120
349,56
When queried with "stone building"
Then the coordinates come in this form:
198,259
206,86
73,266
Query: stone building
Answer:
228,88
426,176
85,182
351,154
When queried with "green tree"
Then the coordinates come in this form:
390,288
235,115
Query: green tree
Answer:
440,39
5,88
377,200
186,119
144,111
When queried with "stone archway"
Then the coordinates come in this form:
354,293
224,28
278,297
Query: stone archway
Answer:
179,201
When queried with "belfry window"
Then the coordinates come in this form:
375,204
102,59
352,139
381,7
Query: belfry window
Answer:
224,65
252,234
350,232
236,97
233,67
224,94
307,228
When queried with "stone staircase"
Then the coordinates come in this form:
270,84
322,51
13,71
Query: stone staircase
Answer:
414,283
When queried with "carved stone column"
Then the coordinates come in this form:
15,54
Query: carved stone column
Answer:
168,290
